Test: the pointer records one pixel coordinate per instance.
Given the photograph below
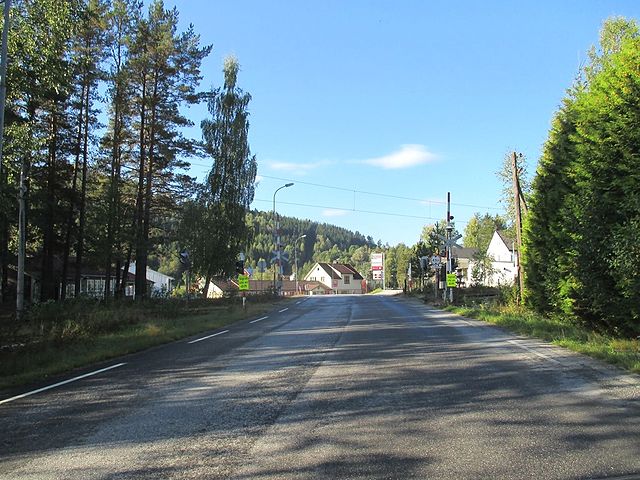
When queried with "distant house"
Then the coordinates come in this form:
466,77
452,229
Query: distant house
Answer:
464,259
504,260
339,277
161,284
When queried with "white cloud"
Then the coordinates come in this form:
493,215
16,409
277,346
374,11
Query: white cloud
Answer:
298,168
258,179
334,212
408,156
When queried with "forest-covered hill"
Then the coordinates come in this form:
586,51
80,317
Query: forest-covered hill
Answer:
323,243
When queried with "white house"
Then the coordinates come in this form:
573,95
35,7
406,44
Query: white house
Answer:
504,264
160,283
339,277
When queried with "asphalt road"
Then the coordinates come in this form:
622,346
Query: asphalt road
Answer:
336,387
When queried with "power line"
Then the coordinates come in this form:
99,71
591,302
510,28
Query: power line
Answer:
398,197
371,212
376,194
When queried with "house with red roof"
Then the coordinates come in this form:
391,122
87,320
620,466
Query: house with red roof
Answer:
338,278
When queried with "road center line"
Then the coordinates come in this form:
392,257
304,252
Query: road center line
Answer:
283,310
208,336
74,379
530,350
258,320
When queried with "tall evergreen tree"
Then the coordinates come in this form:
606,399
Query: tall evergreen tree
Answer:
579,245
165,69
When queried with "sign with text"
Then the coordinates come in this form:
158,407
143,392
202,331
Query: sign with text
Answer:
452,280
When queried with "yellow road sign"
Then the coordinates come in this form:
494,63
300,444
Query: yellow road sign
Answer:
452,280
243,282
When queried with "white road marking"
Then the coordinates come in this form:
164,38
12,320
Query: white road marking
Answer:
258,320
74,379
208,336
283,310
541,355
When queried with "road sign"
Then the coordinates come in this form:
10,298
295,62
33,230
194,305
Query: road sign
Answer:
243,282
450,242
452,280
262,265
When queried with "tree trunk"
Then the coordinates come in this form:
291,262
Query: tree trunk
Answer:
83,195
48,289
72,207
141,244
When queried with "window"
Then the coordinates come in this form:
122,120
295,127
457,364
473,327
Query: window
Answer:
347,279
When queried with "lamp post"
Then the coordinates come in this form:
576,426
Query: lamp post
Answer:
295,258
276,234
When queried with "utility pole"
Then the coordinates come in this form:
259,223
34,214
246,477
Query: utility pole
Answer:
4,228
517,195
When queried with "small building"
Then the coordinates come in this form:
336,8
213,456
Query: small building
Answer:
504,260
464,260
161,284
341,278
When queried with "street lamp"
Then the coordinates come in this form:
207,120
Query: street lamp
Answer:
295,258
276,235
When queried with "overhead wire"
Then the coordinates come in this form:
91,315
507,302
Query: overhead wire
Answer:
364,192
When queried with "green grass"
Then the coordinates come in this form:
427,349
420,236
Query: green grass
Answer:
57,342
624,353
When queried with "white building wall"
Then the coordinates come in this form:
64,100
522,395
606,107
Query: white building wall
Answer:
504,262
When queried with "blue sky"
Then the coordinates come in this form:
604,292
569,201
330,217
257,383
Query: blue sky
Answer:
376,109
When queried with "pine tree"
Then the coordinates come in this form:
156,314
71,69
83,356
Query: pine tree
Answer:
165,69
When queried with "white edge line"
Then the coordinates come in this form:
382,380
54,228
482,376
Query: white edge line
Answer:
258,320
74,379
208,336
283,310
541,355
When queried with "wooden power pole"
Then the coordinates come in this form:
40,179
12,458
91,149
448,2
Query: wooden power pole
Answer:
517,200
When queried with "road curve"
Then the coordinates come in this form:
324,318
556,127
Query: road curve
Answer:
333,387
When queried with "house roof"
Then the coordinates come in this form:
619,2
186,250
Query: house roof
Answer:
336,270
348,269
308,286
330,271
506,239
464,252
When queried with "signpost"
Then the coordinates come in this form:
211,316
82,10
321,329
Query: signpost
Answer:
377,267
243,282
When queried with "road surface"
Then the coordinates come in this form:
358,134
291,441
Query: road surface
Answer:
355,387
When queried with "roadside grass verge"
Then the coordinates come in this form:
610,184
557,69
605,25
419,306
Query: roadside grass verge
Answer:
57,338
624,353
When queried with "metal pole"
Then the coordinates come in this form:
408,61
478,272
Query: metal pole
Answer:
295,258
448,249
3,97
3,80
276,236
22,240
